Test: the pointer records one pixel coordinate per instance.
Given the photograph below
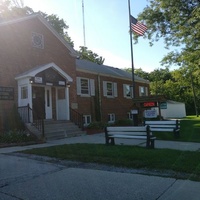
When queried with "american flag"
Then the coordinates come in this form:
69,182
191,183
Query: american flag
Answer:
137,27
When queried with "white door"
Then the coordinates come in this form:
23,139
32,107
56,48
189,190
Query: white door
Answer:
62,106
48,102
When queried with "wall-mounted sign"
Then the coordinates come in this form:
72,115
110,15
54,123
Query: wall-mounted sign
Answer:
135,111
163,105
61,83
6,93
38,79
150,113
149,104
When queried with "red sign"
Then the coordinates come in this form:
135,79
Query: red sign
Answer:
150,104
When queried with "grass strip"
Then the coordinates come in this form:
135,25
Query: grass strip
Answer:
127,156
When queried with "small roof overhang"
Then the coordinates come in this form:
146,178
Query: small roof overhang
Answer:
32,72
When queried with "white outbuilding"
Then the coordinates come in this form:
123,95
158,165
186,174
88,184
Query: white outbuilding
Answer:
173,109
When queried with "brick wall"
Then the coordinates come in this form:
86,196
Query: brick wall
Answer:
17,55
119,105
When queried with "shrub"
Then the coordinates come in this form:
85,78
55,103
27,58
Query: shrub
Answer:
16,137
13,121
123,122
97,125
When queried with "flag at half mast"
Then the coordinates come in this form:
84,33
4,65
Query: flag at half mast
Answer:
137,27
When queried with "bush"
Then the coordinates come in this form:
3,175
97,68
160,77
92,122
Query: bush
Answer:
97,125
13,121
15,137
123,122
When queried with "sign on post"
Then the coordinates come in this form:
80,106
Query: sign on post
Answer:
163,105
150,113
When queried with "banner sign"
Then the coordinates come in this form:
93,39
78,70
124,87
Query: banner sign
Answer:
6,93
150,113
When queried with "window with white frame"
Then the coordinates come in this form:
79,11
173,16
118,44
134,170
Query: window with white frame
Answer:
85,87
86,120
109,89
130,116
111,118
24,92
127,89
143,91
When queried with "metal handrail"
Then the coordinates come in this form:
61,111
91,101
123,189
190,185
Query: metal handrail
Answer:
26,113
77,118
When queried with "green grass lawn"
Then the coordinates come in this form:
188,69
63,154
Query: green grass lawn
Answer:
184,162
128,156
189,132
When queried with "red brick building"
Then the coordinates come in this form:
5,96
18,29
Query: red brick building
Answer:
38,67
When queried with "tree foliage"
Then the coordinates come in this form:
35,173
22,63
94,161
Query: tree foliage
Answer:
87,54
11,9
180,85
178,23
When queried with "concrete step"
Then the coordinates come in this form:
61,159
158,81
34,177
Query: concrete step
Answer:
61,129
56,130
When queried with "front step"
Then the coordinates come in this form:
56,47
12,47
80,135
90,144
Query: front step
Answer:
61,129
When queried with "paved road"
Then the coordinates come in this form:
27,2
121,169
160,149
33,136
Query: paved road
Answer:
24,178
27,178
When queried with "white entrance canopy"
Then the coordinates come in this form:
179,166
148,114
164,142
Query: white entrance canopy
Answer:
32,72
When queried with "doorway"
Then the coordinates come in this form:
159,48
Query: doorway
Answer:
42,102
38,100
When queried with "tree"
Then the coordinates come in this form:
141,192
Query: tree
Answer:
178,23
139,72
90,55
10,9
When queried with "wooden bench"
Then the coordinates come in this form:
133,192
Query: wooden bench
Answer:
165,126
129,132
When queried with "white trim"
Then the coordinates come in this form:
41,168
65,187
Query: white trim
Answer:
36,70
111,76
115,93
92,87
66,100
114,89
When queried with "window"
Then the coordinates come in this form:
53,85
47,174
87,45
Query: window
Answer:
111,118
61,93
24,92
85,87
127,91
109,89
86,120
143,91
130,116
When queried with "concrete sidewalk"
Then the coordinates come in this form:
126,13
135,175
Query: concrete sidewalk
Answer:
28,178
100,139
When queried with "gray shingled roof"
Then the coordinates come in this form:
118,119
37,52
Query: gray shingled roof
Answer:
90,67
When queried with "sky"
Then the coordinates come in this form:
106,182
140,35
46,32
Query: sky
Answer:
106,30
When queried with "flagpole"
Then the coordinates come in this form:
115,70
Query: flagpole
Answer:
131,43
